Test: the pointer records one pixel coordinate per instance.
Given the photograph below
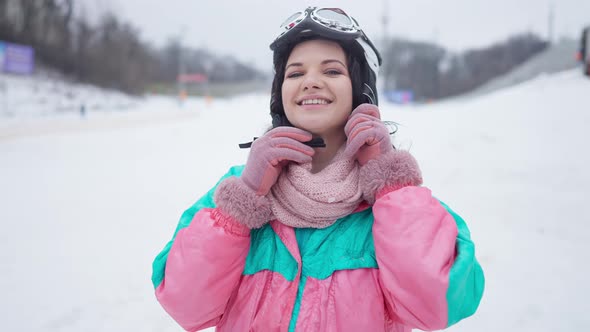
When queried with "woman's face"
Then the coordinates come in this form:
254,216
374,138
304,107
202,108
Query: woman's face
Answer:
317,91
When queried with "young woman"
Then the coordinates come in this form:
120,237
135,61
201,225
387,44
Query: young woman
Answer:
340,237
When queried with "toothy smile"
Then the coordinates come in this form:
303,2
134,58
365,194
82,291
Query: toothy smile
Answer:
314,101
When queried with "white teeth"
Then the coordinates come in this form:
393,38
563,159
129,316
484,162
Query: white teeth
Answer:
314,102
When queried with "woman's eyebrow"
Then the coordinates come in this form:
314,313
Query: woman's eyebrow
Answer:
294,64
332,60
299,64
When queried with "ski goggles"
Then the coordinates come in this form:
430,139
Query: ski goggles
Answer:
332,23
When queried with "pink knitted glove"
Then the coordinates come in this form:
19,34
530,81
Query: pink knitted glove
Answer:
242,200
271,152
368,137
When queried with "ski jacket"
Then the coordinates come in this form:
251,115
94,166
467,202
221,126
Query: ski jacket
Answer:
405,262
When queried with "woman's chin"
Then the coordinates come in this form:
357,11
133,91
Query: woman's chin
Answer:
314,125
314,129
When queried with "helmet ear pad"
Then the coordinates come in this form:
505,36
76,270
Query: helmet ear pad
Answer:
364,80
362,77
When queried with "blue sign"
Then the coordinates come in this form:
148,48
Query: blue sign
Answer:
16,59
400,96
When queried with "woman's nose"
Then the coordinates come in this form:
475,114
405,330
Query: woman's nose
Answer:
312,80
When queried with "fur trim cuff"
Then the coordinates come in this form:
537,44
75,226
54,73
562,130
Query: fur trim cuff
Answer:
242,204
389,172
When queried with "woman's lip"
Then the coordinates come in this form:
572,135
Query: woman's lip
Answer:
313,106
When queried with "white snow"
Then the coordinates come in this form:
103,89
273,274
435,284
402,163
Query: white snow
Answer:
86,204
50,94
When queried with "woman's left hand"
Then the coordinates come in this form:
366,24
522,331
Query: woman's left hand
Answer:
368,137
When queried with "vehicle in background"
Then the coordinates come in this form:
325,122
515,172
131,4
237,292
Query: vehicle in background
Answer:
584,52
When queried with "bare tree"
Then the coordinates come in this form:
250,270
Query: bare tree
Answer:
109,54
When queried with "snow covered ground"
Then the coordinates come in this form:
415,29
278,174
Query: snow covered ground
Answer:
87,203
50,94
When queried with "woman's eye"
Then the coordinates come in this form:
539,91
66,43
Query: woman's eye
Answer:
333,72
294,74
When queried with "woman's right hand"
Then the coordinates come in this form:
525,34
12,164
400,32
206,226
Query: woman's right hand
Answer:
271,152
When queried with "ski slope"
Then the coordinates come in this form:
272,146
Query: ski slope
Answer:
559,56
87,203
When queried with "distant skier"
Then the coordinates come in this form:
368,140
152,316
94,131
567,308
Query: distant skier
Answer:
82,110
584,53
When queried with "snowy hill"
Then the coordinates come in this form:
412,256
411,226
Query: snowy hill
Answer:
88,203
556,58
48,93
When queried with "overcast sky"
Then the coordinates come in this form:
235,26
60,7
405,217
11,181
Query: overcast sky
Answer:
244,29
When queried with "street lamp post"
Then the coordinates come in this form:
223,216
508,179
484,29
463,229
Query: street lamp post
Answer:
181,86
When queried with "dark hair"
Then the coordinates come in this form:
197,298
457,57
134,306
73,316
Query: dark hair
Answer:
355,70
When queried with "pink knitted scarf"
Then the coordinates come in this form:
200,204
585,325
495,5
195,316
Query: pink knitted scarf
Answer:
300,198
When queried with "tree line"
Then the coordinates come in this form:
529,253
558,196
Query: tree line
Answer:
433,72
108,53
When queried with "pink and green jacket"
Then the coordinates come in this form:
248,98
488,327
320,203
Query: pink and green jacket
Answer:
405,262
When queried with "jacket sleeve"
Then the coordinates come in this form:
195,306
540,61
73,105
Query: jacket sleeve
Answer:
198,270
427,267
